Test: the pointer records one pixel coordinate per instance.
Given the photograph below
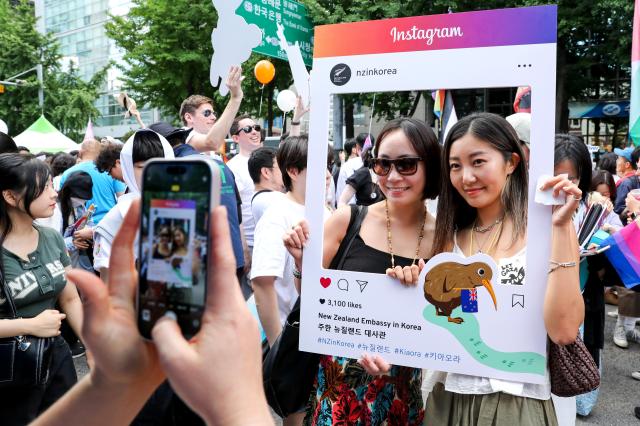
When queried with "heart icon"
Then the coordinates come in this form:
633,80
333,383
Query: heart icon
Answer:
325,282
322,301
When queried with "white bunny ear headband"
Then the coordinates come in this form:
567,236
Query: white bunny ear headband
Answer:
126,159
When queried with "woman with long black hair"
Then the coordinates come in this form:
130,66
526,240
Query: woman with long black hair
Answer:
34,262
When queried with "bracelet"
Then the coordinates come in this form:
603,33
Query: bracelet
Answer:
557,265
295,123
297,274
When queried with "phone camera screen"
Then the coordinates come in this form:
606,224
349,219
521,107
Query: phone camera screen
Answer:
173,248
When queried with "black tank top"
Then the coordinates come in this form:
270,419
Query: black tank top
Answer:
363,258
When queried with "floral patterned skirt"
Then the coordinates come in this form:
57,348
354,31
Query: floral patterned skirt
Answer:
344,394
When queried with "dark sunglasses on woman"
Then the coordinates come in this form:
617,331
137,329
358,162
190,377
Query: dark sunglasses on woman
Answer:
406,166
247,129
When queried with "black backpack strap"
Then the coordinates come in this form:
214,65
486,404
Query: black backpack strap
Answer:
357,216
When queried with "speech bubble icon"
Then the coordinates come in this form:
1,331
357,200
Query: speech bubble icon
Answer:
343,284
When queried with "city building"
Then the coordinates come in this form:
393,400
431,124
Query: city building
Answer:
79,26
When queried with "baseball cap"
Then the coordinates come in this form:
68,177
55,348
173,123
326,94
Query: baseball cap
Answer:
174,135
521,123
626,153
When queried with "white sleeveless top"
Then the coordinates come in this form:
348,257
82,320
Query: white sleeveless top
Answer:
465,384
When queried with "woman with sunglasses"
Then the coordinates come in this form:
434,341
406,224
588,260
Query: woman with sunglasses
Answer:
162,249
343,390
484,206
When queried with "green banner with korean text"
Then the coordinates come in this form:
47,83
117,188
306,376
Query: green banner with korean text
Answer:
291,15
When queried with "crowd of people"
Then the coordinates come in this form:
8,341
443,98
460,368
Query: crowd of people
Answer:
81,210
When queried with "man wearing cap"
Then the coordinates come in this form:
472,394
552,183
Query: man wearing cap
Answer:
196,112
521,123
626,167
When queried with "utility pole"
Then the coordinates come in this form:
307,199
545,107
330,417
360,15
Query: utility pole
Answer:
40,74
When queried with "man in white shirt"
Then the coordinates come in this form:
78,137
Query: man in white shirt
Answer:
267,179
272,270
246,133
353,163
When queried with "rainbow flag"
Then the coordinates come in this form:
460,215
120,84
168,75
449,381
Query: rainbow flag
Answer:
438,102
634,114
624,253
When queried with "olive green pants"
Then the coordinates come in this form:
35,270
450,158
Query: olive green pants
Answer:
495,409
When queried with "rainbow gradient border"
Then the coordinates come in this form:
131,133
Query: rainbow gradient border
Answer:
487,28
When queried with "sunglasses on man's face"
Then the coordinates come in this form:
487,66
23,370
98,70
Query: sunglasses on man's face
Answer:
248,129
207,113
405,166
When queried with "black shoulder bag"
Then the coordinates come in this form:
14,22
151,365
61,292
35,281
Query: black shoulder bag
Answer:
288,373
24,360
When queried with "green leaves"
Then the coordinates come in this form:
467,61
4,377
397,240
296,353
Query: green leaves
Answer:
68,100
167,57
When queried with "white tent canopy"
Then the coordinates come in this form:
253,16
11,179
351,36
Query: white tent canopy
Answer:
43,136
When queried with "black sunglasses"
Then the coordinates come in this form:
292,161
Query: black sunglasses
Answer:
208,112
247,129
406,166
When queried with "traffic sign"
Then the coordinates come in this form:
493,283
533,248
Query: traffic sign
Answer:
290,14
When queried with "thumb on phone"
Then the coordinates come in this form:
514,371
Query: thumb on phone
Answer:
174,352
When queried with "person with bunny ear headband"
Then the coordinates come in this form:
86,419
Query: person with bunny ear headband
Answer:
141,146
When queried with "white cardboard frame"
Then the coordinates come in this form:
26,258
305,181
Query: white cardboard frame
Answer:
384,298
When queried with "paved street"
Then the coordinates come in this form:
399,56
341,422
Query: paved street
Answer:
619,392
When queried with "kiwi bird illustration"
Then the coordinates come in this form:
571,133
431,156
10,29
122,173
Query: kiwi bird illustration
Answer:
443,285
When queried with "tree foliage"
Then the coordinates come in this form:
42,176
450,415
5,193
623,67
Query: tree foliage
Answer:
68,100
167,56
167,48
594,41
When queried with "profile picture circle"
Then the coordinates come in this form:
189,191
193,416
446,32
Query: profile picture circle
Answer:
340,74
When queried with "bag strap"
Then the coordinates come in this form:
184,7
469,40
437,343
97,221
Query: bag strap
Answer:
357,216
7,295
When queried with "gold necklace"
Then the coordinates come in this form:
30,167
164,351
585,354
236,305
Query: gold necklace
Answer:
420,235
492,240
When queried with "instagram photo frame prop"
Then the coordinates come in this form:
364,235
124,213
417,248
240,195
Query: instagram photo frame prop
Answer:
346,313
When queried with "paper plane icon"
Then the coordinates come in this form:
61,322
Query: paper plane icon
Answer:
362,284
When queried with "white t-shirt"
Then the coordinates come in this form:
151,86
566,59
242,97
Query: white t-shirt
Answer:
270,257
239,165
466,384
261,202
346,170
105,232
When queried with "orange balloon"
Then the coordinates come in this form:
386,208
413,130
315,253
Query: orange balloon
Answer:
264,71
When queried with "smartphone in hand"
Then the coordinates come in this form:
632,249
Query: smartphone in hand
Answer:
177,199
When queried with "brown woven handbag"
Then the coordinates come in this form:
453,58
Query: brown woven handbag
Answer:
572,369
